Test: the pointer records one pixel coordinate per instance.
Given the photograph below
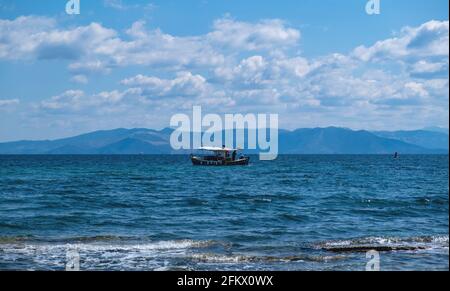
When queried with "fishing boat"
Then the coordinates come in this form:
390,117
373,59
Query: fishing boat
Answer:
219,156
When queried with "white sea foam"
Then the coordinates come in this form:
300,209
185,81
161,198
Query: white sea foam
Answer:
101,255
419,243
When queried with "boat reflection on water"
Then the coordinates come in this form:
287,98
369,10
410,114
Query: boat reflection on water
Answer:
219,156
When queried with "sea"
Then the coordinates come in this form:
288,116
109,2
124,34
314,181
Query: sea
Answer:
159,212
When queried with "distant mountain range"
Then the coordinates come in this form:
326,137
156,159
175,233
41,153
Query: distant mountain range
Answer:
436,129
422,138
330,140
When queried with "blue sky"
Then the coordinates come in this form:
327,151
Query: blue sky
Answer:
135,63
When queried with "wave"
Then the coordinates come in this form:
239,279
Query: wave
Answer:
109,252
260,200
80,239
293,217
386,244
266,197
102,243
13,239
99,252
216,258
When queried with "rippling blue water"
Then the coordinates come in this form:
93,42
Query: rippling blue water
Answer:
162,213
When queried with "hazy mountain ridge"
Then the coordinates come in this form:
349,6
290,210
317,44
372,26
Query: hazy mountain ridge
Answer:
330,140
423,138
